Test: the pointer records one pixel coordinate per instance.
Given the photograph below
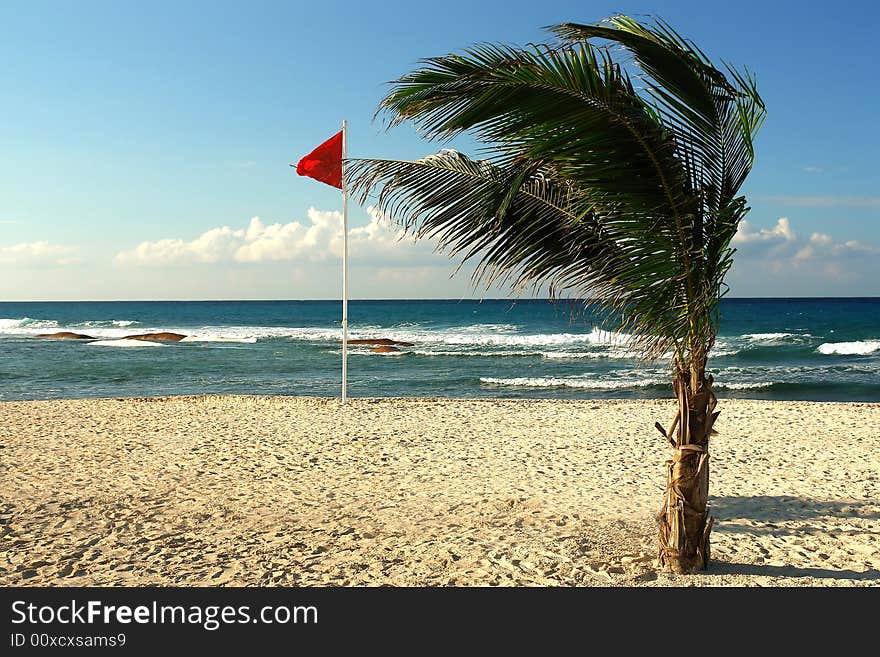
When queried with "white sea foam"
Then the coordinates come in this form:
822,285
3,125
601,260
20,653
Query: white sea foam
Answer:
29,326
466,336
463,336
101,323
862,347
484,354
10,322
476,335
768,337
561,355
721,353
607,384
25,325
794,373
113,329
218,338
305,334
125,343
558,382
565,355
490,328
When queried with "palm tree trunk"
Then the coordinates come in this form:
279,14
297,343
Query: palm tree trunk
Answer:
684,519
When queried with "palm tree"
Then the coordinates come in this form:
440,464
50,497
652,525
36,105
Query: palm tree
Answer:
598,189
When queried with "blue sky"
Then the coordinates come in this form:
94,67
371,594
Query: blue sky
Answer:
140,140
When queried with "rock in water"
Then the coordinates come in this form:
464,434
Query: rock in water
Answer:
169,337
66,335
383,341
385,349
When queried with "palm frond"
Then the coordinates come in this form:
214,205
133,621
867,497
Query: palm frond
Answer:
574,108
593,188
528,227
712,119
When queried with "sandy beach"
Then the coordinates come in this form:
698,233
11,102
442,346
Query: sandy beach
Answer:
241,490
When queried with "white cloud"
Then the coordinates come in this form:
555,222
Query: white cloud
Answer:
38,254
318,239
781,232
383,242
804,254
779,254
291,241
214,245
854,245
385,262
824,245
821,239
814,169
785,244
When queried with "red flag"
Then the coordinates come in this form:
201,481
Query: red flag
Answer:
325,162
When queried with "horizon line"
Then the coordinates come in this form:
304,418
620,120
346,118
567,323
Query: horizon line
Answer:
479,299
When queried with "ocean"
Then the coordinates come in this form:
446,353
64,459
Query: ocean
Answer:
805,349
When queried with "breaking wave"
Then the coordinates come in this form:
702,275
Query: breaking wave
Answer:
218,338
744,386
25,325
768,337
558,355
558,382
862,347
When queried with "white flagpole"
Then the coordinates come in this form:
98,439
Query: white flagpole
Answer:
344,264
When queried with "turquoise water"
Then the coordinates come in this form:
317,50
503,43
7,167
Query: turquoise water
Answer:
818,349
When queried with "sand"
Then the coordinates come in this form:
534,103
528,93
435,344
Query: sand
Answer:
240,490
